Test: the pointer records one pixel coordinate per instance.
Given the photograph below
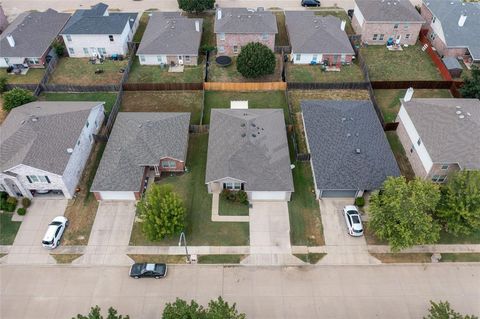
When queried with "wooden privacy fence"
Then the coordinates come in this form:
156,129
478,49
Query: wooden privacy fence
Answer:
327,86
163,86
79,88
30,87
282,49
391,85
303,157
199,128
248,86
434,56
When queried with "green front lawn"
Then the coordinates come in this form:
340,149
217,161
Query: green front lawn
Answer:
33,76
79,71
157,74
389,100
411,64
305,222
108,98
220,259
229,73
200,230
342,15
8,229
314,73
447,238
229,208
460,257
164,101
256,100
399,153
311,258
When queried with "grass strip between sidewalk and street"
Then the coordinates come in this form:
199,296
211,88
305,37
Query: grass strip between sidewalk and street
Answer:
65,258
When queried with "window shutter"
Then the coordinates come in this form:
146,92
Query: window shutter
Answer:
29,180
48,180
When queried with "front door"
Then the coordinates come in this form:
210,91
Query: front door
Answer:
180,59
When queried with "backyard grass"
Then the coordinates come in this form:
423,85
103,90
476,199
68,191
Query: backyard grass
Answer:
447,238
256,100
295,97
167,259
142,25
79,71
200,230
81,210
399,258
33,76
342,15
65,258
164,101
220,259
281,38
157,74
389,100
300,133
411,64
400,155
8,229
229,73
314,73
229,208
305,222
311,258
108,98
460,257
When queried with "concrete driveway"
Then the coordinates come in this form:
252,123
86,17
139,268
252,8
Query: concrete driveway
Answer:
110,234
341,247
27,247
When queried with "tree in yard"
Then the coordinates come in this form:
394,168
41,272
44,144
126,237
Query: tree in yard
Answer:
442,310
459,207
256,59
196,6
401,212
220,309
3,84
180,309
162,212
471,86
16,97
58,47
95,314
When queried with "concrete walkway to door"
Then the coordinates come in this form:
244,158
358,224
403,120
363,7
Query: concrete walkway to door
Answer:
341,248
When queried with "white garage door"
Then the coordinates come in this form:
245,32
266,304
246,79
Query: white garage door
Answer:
269,196
117,195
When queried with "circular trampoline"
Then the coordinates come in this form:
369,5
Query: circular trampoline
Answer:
223,60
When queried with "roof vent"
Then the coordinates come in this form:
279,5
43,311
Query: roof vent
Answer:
348,134
34,119
243,134
461,116
253,125
242,125
253,135
69,150
458,112
10,40
344,119
458,107
357,151
462,20
408,95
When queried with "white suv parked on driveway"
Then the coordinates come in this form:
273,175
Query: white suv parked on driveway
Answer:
54,232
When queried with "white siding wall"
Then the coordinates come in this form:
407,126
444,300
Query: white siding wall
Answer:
437,28
359,15
3,63
80,41
56,181
414,136
306,58
153,59
79,157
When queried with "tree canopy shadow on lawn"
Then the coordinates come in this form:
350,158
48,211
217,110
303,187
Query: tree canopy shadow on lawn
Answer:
199,230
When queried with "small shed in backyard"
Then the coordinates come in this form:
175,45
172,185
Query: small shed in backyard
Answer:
453,66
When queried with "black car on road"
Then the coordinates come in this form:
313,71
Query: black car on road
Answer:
310,3
156,271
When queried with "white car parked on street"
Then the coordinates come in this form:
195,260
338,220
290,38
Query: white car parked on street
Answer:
54,232
353,220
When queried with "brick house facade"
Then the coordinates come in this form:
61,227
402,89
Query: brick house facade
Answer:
379,33
231,43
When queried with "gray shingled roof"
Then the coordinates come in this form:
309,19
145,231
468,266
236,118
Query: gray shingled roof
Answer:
171,33
242,20
389,11
33,33
448,13
447,138
140,139
42,143
335,130
451,63
310,33
92,21
262,162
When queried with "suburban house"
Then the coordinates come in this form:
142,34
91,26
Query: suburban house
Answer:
26,42
45,146
440,136
454,28
142,146
236,27
349,151
248,150
380,21
317,39
96,32
170,38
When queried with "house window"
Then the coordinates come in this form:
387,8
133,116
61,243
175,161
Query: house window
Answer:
85,51
235,49
102,51
444,167
90,137
71,51
395,26
96,124
38,179
434,19
381,37
221,49
69,37
419,142
439,178
110,37
78,143
169,164
33,61
407,36
405,26
375,36
142,58
343,58
232,186
187,58
433,36
314,58
264,36
412,148
298,57
159,58
222,36
87,124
